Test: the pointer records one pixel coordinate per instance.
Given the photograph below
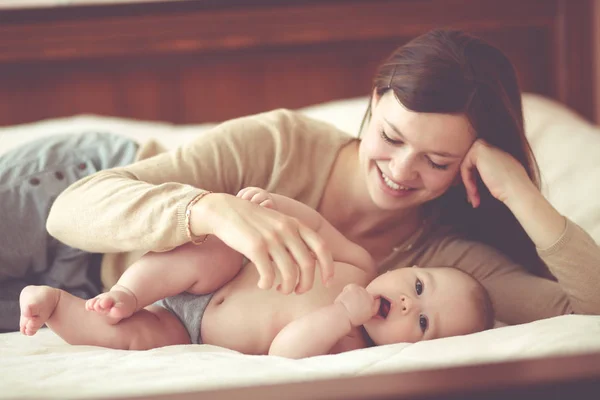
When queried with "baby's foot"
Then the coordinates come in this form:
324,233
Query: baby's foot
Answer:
37,305
117,304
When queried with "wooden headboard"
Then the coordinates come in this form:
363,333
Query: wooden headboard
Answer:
198,61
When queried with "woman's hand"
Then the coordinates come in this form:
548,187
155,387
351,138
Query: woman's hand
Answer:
266,237
501,173
507,181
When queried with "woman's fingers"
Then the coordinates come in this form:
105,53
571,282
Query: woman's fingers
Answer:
295,250
319,249
278,234
468,170
272,241
287,268
262,262
305,262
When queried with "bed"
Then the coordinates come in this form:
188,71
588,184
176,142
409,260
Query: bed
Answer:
169,71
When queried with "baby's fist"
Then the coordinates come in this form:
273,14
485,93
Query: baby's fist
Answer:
257,196
360,305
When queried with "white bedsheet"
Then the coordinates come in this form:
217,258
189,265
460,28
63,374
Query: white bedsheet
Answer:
44,366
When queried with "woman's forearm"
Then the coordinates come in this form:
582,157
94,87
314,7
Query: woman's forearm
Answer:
112,212
542,222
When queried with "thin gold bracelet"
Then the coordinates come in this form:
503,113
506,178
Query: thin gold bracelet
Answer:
188,219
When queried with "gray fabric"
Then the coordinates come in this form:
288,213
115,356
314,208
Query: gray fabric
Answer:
31,177
189,308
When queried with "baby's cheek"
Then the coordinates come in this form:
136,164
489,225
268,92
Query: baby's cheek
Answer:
403,331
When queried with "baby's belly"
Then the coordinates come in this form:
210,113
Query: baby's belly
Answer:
244,318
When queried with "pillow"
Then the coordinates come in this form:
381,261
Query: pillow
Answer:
567,149
566,146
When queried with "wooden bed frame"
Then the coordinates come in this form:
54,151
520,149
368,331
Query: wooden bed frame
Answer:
205,61
556,378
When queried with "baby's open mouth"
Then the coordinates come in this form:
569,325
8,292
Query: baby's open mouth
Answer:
384,307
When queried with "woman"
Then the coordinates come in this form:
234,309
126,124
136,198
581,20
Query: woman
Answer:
442,175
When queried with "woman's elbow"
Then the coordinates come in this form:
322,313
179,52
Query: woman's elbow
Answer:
56,223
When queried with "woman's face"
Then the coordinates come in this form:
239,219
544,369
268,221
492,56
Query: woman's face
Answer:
410,158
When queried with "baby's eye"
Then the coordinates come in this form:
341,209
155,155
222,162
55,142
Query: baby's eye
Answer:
423,323
419,287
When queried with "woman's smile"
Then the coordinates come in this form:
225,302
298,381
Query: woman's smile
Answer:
392,188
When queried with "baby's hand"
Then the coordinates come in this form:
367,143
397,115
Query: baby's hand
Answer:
257,196
360,305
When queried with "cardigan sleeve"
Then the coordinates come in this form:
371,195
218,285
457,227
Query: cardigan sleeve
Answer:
142,206
519,296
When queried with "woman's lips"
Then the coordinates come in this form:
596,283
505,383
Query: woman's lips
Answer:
394,192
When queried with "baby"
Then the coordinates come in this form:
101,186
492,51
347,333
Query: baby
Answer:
209,294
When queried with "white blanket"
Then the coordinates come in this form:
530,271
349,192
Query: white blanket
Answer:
44,366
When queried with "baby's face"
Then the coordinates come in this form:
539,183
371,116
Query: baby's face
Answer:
423,303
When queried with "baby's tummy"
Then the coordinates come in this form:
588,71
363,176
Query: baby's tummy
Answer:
248,319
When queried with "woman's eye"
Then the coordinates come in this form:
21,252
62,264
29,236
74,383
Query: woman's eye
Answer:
388,139
437,166
423,323
419,287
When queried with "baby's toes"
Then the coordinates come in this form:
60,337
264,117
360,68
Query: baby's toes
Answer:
29,326
23,324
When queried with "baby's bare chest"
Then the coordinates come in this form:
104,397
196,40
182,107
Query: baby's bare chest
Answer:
242,317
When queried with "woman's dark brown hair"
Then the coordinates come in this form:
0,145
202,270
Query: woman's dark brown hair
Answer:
452,72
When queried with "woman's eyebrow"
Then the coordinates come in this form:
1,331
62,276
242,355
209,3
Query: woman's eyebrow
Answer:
388,123
437,153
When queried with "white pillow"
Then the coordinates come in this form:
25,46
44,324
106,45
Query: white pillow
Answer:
566,146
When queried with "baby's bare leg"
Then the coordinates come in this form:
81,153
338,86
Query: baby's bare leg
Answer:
65,314
196,269
117,304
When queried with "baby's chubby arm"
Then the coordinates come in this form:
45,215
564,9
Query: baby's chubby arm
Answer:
317,333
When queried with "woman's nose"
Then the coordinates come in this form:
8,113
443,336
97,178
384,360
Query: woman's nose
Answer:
402,167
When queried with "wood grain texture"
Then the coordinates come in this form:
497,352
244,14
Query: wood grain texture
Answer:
199,61
556,378
596,64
